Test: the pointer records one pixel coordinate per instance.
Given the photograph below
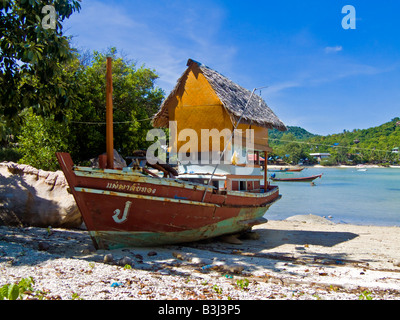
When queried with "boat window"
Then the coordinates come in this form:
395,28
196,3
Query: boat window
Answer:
242,185
235,185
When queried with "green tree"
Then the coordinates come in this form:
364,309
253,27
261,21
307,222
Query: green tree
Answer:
32,59
83,130
40,138
135,100
291,149
366,145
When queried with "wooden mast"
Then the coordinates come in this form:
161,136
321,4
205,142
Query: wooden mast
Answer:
109,116
265,172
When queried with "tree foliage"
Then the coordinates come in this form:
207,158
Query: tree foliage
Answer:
372,145
40,138
51,100
135,100
83,131
298,132
32,59
290,145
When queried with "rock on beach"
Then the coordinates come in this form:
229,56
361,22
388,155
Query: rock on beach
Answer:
33,197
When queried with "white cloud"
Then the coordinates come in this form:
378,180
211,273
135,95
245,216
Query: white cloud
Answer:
277,87
333,49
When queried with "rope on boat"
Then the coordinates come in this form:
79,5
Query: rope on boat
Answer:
115,122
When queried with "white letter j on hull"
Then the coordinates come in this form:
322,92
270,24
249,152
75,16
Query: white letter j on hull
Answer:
125,214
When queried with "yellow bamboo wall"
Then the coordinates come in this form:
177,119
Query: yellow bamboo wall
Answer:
198,107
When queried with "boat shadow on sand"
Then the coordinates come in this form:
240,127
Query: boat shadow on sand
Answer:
271,238
265,253
288,246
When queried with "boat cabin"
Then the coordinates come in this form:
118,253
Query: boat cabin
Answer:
203,113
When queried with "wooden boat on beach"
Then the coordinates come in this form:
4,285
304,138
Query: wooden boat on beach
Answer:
138,206
129,207
298,179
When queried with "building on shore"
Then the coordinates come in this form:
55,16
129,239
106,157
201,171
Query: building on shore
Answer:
320,155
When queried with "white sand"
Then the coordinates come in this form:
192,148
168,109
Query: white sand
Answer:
304,258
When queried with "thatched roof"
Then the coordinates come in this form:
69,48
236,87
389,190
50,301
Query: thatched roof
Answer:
233,97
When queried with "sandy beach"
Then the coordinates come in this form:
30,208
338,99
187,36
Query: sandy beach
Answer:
301,258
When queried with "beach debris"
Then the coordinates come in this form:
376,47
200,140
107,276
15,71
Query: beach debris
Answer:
108,258
207,267
232,268
139,258
218,266
236,251
88,250
116,284
125,261
152,253
49,231
182,256
201,261
43,246
192,259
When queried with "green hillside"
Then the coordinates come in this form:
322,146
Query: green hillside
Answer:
289,145
297,132
372,145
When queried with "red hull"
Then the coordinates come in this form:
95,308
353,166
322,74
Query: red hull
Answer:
148,210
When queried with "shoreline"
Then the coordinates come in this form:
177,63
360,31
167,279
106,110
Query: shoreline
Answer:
301,258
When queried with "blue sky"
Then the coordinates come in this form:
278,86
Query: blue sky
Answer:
320,76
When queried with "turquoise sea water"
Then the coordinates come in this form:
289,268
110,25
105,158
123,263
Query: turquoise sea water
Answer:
369,197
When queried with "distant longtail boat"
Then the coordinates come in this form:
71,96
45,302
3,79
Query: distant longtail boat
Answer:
298,179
